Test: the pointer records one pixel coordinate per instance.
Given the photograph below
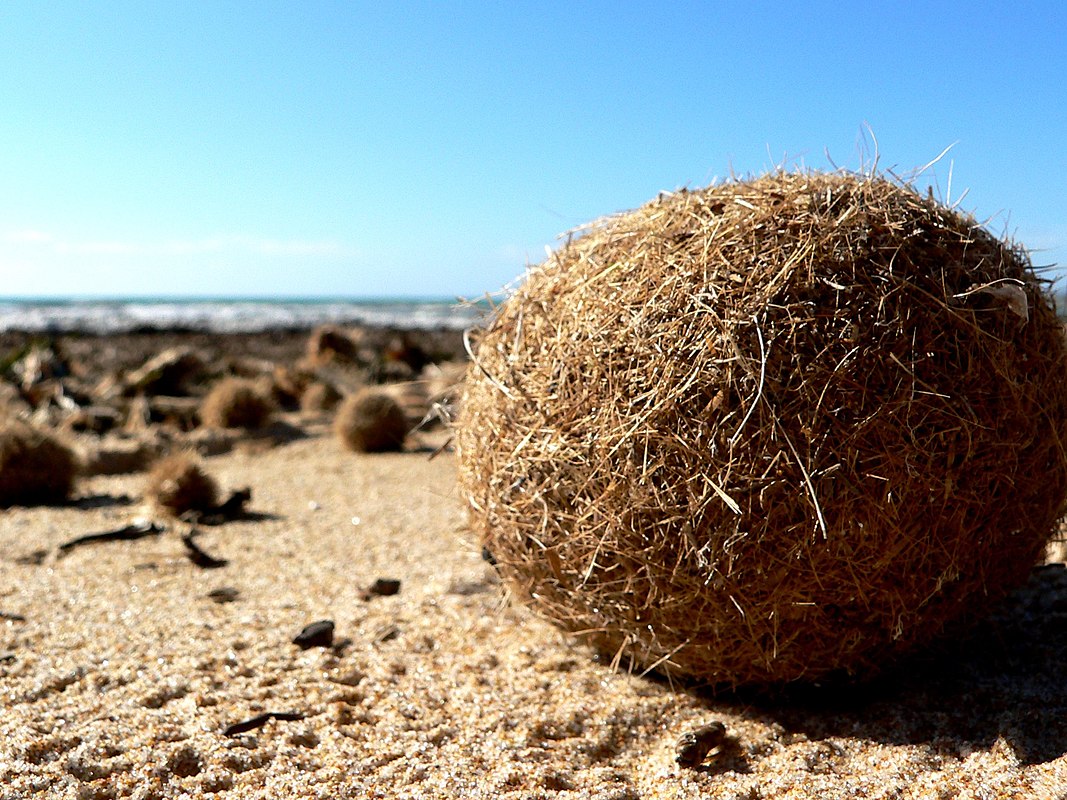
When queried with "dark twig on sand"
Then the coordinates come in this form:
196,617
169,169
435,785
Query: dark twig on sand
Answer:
259,720
441,449
197,555
233,507
224,594
138,530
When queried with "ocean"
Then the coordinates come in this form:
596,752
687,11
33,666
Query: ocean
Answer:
230,315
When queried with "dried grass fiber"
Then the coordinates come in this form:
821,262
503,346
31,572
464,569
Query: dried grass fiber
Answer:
769,431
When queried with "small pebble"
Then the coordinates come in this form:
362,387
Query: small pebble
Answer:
317,634
693,747
382,587
225,594
351,677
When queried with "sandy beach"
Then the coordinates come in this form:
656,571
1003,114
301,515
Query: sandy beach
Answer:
127,670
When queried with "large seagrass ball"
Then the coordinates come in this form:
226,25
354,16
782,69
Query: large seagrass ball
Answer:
774,430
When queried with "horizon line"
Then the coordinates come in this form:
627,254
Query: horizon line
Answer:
235,298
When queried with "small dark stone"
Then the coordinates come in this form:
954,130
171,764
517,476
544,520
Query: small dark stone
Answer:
225,594
384,587
234,505
32,559
317,634
693,747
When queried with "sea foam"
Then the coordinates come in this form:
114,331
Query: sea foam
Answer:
229,316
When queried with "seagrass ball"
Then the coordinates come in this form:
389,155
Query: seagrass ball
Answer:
178,483
319,396
35,466
371,421
774,430
236,403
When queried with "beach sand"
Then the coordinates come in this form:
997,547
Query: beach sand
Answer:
124,666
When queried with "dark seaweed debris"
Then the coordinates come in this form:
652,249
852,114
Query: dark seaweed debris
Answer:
259,720
232,508
197,555
138,530
224,594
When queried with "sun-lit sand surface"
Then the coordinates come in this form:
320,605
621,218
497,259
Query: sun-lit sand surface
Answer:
128,670
120,672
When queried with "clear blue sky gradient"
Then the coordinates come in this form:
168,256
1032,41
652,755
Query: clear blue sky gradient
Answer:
433,149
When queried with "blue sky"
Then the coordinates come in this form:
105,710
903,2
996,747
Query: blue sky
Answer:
433,149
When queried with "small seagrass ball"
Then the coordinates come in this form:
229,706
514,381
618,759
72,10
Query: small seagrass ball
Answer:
329,343
774,430
319,396
371,421
178,483
35,467
236,403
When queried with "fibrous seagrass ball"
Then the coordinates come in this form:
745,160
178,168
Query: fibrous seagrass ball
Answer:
319,396
236,403
35,467
371,421
329,343
769,431
288,383
178,483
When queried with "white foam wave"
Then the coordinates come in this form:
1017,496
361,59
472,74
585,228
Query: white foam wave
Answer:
228,316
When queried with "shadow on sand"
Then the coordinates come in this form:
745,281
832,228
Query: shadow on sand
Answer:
1004,680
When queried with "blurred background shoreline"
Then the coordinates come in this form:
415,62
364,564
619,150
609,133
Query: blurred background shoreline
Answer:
231,314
